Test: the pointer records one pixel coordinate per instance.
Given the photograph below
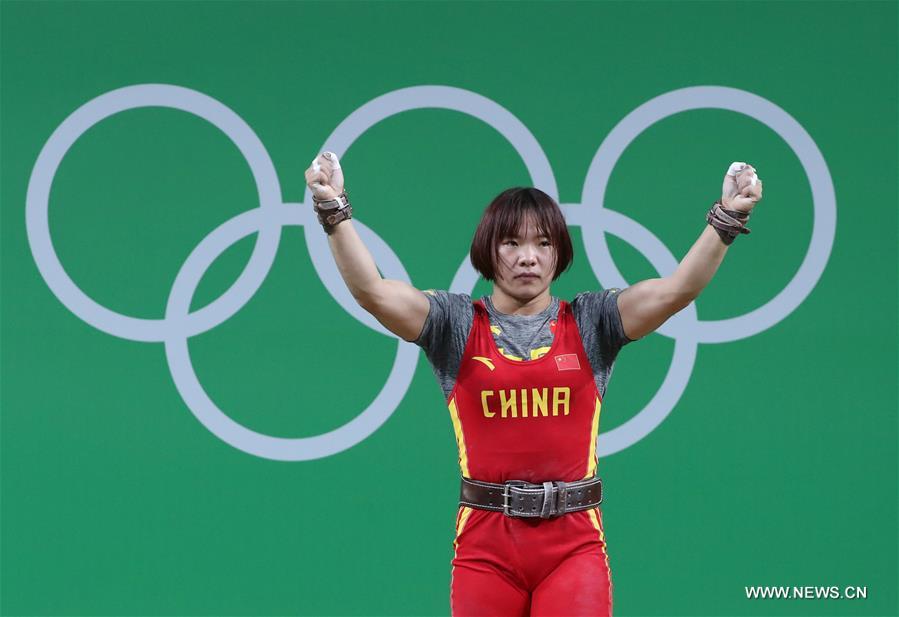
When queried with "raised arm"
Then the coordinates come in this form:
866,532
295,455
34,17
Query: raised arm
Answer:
399,306
648,304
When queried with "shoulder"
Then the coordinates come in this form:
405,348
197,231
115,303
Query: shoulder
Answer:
597,311
592,302
455,303
450,316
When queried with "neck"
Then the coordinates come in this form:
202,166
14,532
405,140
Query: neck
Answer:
511,305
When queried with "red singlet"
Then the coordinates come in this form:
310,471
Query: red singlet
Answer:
531,420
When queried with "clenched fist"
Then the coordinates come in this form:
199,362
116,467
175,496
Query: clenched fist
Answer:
325,177
742,188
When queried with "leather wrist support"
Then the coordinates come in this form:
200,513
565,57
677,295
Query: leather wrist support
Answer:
332,211
728,223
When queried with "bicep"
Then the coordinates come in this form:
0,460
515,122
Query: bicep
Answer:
645,306
400,307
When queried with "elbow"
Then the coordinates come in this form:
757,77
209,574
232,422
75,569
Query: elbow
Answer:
681,301
675,300
366,300
678,292
370,297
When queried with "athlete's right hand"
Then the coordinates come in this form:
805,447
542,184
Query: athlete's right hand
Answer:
325,177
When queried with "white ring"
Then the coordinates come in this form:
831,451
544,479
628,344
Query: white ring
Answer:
267,219
63,138
740,101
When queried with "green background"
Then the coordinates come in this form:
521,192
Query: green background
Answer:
778,465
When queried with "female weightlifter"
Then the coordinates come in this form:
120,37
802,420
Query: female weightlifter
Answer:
524,374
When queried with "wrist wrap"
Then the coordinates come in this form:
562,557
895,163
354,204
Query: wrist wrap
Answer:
332,211
728,223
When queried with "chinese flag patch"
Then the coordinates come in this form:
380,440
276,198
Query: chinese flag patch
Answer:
567,362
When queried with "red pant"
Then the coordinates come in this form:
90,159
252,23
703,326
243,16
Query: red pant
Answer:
519,566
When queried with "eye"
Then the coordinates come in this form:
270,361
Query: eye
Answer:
511,242
546,243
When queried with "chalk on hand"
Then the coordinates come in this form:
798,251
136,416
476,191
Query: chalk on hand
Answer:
335,164
735,168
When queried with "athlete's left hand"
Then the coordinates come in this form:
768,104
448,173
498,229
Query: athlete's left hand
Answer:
742,188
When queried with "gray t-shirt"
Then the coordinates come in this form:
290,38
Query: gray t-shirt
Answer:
523,337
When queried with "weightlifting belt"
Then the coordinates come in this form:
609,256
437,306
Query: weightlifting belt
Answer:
518,498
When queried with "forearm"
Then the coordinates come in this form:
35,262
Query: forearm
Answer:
697,267
646,305
356,265
398,305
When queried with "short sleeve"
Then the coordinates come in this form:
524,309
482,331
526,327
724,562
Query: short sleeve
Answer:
445,333
597,311
448,314
599,322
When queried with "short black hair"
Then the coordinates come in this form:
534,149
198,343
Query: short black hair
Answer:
503,217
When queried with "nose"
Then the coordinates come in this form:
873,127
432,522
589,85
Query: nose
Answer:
528,255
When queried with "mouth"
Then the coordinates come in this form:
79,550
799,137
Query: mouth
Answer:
527,276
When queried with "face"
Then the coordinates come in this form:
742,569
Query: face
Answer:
527,261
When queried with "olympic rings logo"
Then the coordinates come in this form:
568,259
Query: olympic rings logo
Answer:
179,323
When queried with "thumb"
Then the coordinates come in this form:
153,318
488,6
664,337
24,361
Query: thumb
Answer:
317,182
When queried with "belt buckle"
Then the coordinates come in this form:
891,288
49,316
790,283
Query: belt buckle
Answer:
507,486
